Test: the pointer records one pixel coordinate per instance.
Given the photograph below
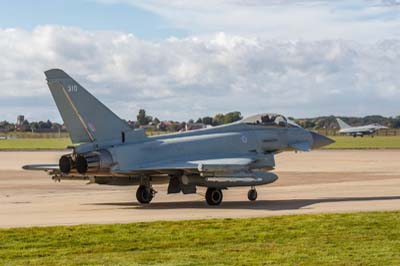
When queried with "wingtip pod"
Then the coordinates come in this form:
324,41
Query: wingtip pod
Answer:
41,167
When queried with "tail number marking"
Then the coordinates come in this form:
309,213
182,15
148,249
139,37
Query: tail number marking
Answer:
72,88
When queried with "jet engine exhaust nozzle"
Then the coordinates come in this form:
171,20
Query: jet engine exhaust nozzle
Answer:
66,164
94,162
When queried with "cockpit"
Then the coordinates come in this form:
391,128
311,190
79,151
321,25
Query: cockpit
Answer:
272,120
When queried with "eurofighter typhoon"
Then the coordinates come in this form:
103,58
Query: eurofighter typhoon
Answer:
108,151
360,130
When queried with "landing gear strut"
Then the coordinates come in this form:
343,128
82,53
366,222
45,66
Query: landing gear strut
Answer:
145,194
214,196
252,194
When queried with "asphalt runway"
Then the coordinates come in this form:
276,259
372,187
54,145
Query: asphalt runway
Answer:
314,182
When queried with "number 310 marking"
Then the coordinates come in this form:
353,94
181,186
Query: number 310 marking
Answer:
72,88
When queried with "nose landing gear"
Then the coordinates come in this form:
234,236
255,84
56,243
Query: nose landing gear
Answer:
145,194
252,194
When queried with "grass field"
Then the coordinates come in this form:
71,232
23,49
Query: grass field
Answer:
329,239
347,142
35,144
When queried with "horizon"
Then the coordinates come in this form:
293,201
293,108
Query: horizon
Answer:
184,60
212,116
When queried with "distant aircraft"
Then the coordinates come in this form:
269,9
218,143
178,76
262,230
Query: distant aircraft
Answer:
358,131
109,152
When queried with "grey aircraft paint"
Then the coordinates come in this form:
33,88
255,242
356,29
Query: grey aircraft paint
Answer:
358,131
108,151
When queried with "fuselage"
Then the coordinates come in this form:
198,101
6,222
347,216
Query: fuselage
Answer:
229,141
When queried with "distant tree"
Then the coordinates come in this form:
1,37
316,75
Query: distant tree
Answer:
34,126
232,117
207,120
56,126
6,126
45,125
25,126
191,121
218,119
142,118
395,122
199,121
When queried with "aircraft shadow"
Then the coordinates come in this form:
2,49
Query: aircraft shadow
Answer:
271,205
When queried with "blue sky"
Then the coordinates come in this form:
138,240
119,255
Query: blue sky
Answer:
89,15
187,59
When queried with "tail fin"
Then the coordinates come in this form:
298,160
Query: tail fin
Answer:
85,117
342,124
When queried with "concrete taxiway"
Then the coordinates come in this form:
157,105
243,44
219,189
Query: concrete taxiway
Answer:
315,182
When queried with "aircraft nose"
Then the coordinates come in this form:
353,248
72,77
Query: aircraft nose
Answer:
320,140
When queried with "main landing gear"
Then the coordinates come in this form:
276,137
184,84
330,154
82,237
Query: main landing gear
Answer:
252,194
145,194
214,196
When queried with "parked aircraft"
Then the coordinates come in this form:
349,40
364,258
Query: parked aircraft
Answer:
360,130
107,151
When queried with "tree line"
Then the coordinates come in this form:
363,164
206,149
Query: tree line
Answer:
26,126
143,120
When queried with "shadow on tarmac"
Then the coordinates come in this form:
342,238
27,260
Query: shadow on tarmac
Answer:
271,205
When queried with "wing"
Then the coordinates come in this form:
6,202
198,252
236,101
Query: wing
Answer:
42,167
221,164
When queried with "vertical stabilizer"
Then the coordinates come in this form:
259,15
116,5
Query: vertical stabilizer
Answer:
342,124
86,118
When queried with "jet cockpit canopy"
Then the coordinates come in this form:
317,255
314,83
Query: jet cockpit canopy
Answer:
275,120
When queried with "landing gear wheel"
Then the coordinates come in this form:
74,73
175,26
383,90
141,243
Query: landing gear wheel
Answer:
214,196
252,194
144,194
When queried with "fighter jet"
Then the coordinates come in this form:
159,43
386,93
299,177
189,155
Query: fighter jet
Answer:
358,131
108,151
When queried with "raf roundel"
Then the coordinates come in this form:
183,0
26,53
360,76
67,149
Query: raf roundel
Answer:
91,127
244,139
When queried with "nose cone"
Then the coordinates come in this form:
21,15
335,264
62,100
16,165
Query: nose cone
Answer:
320,141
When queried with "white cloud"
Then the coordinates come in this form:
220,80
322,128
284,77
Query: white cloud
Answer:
197,76
361,20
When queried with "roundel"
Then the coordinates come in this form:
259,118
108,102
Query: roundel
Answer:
244,139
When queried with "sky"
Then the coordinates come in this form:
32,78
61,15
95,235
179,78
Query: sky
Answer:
187,59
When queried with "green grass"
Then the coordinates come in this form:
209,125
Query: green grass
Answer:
347,142
35,144
329,239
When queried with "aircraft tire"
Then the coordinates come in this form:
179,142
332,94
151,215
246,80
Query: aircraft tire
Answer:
252,194
214,196
144,195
